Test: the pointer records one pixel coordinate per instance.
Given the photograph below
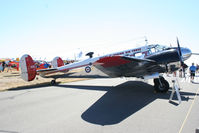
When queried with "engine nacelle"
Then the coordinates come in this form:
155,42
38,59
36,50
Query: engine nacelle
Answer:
152,76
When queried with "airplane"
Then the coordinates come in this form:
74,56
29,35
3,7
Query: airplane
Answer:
15,65
42,65
146,62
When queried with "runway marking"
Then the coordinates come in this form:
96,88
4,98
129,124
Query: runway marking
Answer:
188,113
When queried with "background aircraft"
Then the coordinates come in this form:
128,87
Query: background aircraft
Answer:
11,63
147,62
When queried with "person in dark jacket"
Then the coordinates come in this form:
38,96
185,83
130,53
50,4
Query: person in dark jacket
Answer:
3,65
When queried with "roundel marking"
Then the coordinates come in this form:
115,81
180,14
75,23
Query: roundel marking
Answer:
87,69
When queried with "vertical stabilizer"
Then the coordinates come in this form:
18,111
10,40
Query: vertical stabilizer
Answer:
57,62
28,68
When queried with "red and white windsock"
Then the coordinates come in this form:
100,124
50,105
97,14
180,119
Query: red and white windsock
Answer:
57,62
28,68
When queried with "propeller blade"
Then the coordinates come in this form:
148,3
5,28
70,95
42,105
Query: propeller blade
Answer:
180,55
179,49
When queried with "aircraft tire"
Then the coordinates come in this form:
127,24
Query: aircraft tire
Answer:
53,82
158,88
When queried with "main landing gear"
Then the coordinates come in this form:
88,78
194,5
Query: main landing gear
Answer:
161,85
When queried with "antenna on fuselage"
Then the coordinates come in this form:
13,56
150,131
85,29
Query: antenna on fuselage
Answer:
170,45
146,40
90,54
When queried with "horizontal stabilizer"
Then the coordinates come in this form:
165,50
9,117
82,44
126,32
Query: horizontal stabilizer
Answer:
46,70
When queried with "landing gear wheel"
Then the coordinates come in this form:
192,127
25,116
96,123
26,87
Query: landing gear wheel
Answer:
161,85
53,82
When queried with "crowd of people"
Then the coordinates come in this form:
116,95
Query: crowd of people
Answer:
4,65
192,70
8,65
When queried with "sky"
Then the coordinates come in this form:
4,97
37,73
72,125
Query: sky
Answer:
49,28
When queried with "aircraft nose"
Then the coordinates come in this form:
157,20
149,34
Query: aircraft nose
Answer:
186,53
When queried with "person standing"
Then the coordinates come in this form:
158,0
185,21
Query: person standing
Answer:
3,65
180,72
192,70
9,66
184,68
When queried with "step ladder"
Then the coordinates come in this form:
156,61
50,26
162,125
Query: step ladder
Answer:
175,89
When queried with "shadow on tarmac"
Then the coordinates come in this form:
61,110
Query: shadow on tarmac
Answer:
46,84
121,101
4,131
27,87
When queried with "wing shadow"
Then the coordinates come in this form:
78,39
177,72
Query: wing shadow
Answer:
121,101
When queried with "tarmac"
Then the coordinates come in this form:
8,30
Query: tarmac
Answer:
106,105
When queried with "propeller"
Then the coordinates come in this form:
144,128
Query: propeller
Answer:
181,58
179,49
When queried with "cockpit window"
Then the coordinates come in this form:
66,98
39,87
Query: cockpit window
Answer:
156,48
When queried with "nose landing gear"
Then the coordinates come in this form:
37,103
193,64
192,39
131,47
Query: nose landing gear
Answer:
53,82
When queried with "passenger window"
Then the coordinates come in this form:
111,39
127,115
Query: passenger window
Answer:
139,55
153,50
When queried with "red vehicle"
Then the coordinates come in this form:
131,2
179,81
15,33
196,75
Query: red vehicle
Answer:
43,65
14,64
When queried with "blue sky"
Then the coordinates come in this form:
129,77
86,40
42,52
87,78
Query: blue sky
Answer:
49,28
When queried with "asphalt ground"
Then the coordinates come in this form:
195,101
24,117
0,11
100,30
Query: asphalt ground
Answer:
107,105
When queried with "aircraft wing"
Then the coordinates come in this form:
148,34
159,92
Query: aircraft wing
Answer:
112,66
117,66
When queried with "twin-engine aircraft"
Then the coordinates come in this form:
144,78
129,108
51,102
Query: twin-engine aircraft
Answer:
147,62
